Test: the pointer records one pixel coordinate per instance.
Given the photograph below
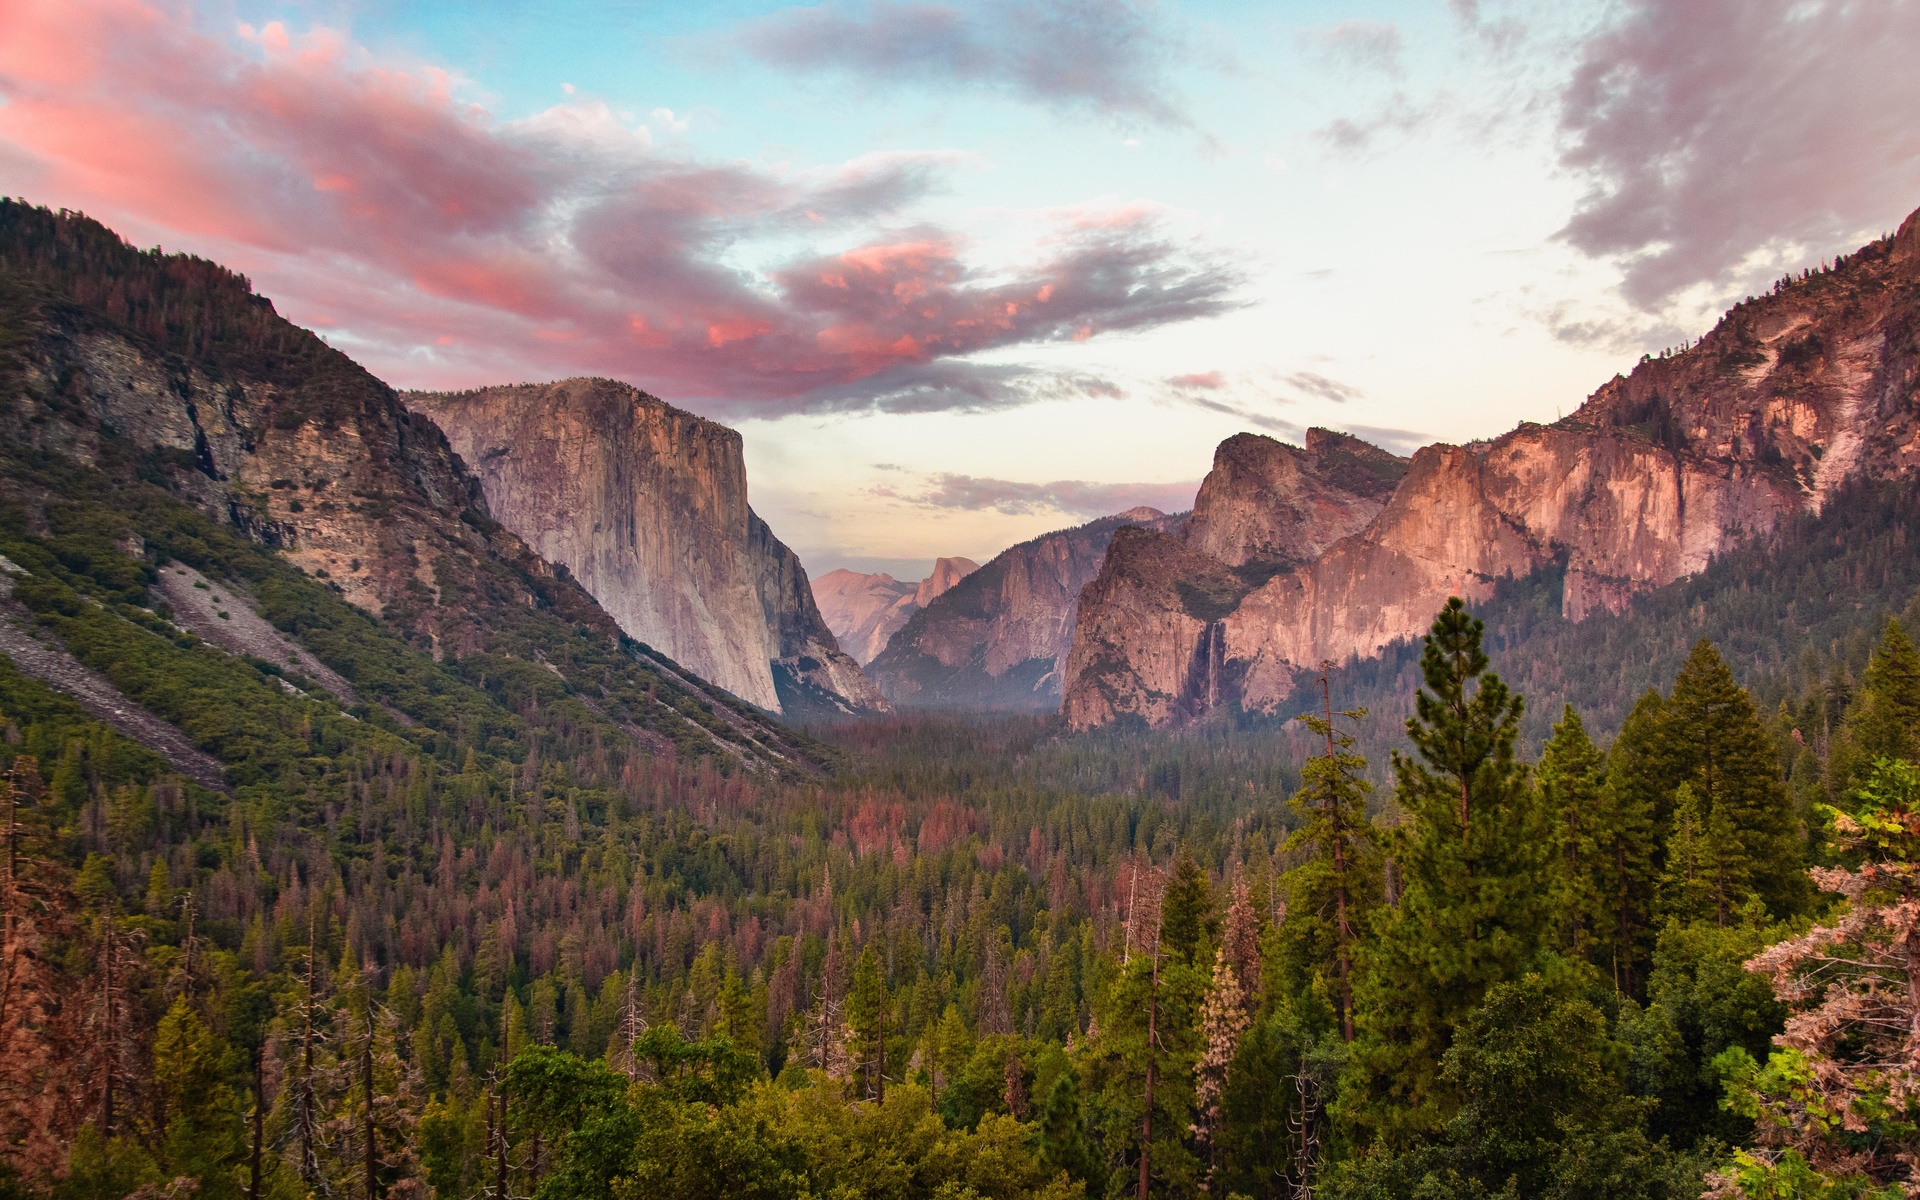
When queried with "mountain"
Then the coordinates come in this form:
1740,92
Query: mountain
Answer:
997,639
646,506
1692,455
865,610
157,411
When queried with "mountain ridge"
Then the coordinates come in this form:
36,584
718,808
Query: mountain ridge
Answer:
1787,398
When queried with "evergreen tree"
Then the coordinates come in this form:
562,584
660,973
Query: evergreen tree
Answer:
1330,895
1188,923
866,1025
1473,912
1062,1134
1716,743
1884,721
1571,784
1640,804
1709,876
203,1133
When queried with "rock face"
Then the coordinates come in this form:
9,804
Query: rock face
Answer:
646,506
1655,474
998,638
864,611
171,371
1151,640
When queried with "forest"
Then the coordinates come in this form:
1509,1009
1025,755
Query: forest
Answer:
1624,908
394,964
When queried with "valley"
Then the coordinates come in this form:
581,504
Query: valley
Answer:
467,793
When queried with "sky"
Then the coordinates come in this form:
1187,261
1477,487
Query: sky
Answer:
962,273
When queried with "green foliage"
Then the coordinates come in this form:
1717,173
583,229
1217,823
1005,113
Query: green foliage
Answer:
1188,923
1716,744
1331,895
1474,910
1701,1002
1885,723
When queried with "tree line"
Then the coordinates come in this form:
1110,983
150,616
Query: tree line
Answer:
1494,977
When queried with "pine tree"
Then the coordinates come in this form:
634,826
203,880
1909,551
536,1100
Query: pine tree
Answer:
1640,803
1884,721
1716,742
1473,909
1188,925
1330,895
202,1132
1223,1019
1708,875
1571,783
1240,938
1063,1136
866,1025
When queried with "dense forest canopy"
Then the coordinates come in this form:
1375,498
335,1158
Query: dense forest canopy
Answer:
1623,908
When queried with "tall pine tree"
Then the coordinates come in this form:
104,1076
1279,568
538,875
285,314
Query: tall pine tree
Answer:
1331,895
1474,911
1715,742
1605,859
1884,721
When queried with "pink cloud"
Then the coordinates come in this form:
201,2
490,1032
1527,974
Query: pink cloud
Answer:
1712,131
1107,55
1072,496
455,248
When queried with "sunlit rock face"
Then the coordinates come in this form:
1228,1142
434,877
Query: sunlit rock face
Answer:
646,506
998,639
1291,559
865,611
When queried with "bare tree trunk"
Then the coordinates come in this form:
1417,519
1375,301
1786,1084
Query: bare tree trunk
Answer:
303,1103
259,1120
1153,1040
366,1078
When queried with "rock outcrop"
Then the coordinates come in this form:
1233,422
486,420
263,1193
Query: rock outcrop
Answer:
998,638
1151,640
170,369
865,611
1655,474
646,506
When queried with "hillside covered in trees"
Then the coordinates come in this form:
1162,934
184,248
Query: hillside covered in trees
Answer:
413,878
941,973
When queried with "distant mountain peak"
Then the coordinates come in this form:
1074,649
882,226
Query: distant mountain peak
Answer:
1294,557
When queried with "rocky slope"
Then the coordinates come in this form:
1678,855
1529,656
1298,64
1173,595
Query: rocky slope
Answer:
864,611
123,369
1658,472
646,506
998,639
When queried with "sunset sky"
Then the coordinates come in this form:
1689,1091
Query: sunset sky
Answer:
965,273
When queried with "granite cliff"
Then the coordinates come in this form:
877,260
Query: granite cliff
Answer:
998,638
1690,455
123,370
646,506
864,611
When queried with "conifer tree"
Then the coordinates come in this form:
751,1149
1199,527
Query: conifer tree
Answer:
1223,1019
1605,854
1716,743
1330,895
1884,721
1473,911
1062,1136
866,1025
1571,784
1188,923
1639,802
